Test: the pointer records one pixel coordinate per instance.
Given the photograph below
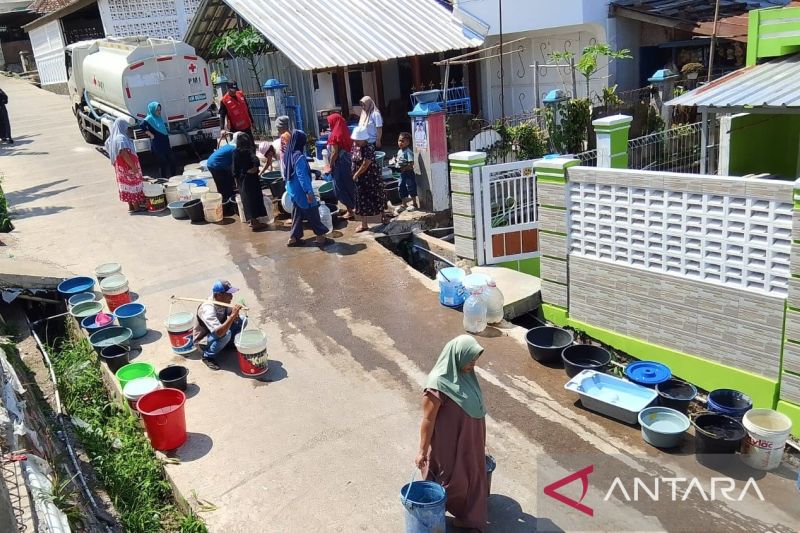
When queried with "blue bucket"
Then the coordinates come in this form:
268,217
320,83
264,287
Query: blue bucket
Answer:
451,287
424,503
729,402
132,316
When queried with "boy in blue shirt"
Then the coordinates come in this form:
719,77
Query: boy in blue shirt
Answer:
404,161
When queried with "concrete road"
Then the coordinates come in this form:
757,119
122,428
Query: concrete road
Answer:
352,332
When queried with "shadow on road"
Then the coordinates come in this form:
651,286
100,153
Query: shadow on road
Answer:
36,192
31,212
197,446
506,514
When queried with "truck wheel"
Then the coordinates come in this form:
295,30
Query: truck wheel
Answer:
87,135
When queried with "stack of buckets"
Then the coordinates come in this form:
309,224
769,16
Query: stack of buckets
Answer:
212,206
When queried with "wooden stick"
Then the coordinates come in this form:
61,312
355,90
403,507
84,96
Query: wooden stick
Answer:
215,302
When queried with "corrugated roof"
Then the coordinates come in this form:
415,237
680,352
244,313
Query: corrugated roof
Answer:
48,6
318,34
770,85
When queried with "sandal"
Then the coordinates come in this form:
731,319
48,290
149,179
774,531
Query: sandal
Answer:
294,244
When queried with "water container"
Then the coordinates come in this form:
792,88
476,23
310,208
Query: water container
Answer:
494,303
475,312
270,207
451,290
185,192
240,208
325,217
326,157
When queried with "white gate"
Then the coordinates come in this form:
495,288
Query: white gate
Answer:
508,213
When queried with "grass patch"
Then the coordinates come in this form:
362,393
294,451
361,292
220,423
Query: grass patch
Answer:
118,447
5,220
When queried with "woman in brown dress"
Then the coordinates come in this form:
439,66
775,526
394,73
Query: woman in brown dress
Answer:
452,448
370,197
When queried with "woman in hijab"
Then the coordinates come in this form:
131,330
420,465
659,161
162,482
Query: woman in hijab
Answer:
122,152
452,449
298,185
245,170
370,196
340,167
372,120
155,128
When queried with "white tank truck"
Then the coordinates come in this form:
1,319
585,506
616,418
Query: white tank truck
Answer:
118,77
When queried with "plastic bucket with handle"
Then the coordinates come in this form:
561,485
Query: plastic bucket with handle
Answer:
115,290
164,418
767,431
252,347
154,197
180,327
424,504
133,371
132,316
451,288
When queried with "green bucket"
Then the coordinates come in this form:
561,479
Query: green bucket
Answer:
133,371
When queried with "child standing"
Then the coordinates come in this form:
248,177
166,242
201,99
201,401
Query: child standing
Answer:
408,180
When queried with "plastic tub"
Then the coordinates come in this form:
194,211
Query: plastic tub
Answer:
109,337
85,309
767,432
546,343
80,298
676,394
107,270
194,209
72,286
115,356
580,357
174,377
326,193
133,371
132,316
177,208
717,434
729,402
451,287
164,418
663,427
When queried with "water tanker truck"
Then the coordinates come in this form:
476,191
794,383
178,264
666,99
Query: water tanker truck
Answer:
118,77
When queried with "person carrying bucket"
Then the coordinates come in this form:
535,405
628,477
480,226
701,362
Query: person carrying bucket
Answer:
217,323
452,449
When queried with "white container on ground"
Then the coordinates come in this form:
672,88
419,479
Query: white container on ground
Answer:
270,207
106,270
475,312
240,207
211,199
185,192
213,214
767,432
325,217
198,192
495,303
138,387
171,192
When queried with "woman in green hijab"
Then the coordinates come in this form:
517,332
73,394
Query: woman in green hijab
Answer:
452,448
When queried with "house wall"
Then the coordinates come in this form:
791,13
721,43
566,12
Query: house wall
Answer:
764,143
532,15
519,77
625,33
47,42
155,18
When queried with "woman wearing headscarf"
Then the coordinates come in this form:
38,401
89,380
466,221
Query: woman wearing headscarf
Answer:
370,196
372,120
452,449
245,170
122,153
298,185
5,124
155,128
340,167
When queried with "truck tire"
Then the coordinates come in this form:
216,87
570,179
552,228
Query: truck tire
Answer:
87,135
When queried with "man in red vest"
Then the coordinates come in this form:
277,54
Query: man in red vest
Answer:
234,108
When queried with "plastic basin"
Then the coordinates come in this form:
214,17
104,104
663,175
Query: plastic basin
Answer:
76,285
88,323
546,343
729,402
717,434
81,297
84,309
676,394
663,427
194,210
326,193
178,210
109,337
580,357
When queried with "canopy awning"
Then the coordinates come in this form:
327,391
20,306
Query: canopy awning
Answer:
320,34
770,87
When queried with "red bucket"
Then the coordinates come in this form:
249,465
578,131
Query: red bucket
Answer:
116,300
253,364
164,418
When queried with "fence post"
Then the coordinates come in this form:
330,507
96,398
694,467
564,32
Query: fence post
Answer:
612,141
551,191
465,191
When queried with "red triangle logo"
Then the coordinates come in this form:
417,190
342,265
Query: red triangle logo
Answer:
583,475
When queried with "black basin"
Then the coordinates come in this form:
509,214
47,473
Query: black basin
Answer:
580,357
546,343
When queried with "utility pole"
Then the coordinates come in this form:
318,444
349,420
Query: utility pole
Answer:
713,48
502,71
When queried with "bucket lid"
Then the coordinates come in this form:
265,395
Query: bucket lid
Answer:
108,268
251,338
136,388
648,372
114,282
476,281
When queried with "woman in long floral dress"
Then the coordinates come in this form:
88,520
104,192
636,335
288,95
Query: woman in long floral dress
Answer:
122,153
370,196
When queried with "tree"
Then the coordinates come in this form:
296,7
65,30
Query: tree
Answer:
247,44
588,63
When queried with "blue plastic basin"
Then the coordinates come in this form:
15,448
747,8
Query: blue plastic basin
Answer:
663,427
76,285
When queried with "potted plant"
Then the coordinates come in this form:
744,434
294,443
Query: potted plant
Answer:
691,70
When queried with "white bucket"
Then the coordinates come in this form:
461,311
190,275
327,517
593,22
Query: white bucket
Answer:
185,192
213,214
136,388
198,192
180,327
252,347
240,207
191,173
107,270
171,192
211,199
767,431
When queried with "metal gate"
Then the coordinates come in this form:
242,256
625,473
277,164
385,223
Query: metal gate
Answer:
508,212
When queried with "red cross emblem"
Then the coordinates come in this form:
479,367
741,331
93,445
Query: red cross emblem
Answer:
192,67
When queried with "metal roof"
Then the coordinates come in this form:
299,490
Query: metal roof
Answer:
769,86
319,34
